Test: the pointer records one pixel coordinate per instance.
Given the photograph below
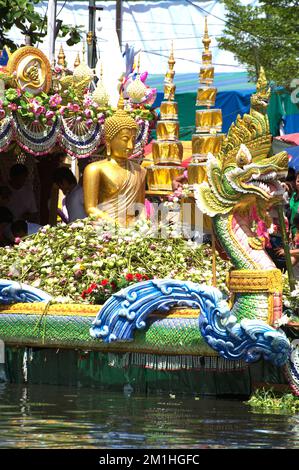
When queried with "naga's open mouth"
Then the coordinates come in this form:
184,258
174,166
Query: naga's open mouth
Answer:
268,184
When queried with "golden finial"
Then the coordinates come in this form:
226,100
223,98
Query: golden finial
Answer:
169,86
206,39
77,61
138,63
171,60
61,57
121,102
262,82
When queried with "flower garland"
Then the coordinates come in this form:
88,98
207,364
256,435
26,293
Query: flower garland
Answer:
38,123
35,138
6,133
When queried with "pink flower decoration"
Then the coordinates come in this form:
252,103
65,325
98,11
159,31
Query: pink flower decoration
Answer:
62,110
13,106
89,122
76,108
2,113
55,100
50,114
87,113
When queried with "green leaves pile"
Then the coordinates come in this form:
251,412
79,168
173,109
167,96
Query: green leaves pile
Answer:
65,260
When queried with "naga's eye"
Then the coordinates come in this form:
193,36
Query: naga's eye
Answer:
243,156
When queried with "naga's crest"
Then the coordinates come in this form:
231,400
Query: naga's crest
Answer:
259,100
243,173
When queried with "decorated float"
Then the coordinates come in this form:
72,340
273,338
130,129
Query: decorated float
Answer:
127,302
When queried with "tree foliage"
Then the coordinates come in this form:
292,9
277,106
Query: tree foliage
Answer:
264,35
22,14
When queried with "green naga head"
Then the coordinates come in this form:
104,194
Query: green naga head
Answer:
243,174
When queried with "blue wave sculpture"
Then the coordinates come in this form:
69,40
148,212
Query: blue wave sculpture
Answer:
248,340
129,308
12,292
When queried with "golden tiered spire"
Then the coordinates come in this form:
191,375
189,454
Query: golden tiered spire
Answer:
206,94
208,136
169,86
167,150
61,57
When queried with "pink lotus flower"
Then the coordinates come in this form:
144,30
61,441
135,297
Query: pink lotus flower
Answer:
87,100
88,122
55,100
50,114
13,106
73,107
38,110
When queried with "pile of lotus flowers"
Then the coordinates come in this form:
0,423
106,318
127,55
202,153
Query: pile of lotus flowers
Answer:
73,261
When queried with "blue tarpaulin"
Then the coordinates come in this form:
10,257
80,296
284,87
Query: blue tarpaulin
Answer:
294,154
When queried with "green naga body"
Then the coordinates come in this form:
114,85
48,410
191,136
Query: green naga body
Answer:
243,177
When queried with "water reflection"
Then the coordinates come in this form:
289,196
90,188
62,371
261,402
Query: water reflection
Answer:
60,417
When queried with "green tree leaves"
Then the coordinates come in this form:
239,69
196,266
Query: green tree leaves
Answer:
21,13
265,35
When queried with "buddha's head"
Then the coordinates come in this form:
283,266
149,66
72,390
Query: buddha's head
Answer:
120,134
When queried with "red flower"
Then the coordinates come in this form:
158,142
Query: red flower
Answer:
129,277
145,277
104,282
113,285
92,287
138,277
89,290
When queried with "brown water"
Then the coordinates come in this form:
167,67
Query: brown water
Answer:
59,417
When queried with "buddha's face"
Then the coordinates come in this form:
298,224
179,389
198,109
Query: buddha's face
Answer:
122,145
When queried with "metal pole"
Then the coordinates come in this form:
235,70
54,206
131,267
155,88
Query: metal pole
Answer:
119,11
286,247
91,33
52,8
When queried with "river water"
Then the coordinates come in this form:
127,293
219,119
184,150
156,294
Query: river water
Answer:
88,418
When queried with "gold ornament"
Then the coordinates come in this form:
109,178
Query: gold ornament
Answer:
77,61
61,57
31,69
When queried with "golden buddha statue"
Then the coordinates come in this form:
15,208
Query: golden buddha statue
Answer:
114,188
